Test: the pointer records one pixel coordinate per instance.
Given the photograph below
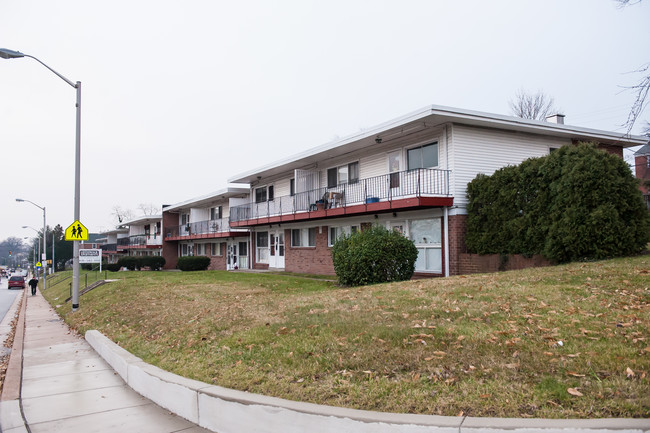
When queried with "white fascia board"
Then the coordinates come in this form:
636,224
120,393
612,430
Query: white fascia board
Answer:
197,201
143,220
439,115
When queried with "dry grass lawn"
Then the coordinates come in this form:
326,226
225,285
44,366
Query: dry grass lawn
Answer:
560,342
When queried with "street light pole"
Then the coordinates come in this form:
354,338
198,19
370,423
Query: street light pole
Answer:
43,259
11,54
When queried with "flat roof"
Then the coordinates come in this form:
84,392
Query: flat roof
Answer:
145,219
430,117
208,198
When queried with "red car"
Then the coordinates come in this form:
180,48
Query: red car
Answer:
16,281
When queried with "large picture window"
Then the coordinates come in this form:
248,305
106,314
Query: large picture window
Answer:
260,195
262,247
423,156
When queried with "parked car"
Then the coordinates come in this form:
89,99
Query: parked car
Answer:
16,281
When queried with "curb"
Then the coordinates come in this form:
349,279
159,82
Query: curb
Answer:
11,414
227,410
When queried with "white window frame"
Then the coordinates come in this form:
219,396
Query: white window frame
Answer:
262,252
421,146
340,230
302,240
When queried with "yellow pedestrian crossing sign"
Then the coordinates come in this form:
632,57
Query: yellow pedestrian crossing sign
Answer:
38,265
76,232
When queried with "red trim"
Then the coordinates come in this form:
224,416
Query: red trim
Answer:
359,209
206,236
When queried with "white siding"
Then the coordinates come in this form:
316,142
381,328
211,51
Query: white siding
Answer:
199,214
480,150
281,187
373,165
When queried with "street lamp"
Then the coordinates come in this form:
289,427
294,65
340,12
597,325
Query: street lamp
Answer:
11,54
44,240
34,249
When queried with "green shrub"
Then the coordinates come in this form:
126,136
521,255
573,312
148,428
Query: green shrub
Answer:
113,267
576,203
129,262
375,255
155,263
193,263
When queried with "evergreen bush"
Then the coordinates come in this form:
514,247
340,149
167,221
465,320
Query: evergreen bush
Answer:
113,267
374,255
193,263
129,262
155,263
578,202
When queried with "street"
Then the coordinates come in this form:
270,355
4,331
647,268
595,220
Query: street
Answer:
6,297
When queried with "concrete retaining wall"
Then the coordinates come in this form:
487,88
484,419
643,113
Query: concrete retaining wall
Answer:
229,411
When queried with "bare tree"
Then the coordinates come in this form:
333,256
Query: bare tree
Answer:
640,89
148,209
532,106
122,215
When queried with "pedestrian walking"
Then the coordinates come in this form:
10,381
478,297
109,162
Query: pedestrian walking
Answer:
33,283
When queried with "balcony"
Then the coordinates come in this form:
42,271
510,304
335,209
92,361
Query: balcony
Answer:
109,247
413,189
210,229
140,241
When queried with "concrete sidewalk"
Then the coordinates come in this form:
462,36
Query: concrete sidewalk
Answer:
67,387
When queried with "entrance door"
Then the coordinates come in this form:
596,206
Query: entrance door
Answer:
276,249
231,256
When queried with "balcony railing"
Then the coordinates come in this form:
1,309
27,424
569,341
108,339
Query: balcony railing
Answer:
413,183
109,247
140,240
199,228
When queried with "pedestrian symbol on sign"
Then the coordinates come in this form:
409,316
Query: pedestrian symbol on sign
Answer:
76,232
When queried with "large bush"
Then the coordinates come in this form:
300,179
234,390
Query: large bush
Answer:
129,262
375,255
132,263
576,203
193,263
155,263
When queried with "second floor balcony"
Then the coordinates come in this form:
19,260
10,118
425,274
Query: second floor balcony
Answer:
140,241
200,230
412,189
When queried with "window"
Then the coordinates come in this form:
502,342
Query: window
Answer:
216,213
423,156
200,249
263,194
337,232
292,187
344,174
185,218
260,195
427,235
394,166
215,249
262,247
303,237
184,250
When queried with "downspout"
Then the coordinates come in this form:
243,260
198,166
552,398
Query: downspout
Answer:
446,234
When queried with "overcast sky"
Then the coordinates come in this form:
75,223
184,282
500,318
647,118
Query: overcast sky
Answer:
179,96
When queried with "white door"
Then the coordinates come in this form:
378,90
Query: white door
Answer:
231,256
276,249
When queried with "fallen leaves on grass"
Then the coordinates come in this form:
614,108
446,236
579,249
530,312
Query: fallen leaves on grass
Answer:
575,392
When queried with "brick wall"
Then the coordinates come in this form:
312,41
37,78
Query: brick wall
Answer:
169,248
642,171
474,263
457,229
312,260
218,263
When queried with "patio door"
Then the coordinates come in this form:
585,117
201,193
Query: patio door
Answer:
231,256
394,167
276,249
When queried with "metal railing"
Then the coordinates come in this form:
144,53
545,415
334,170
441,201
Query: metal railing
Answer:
140,240
412,183
199,228
109,247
